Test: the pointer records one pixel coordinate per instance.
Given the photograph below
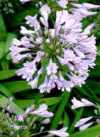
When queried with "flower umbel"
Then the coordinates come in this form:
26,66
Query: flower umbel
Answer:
55,55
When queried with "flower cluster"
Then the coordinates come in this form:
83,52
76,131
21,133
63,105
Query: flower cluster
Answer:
56,54
44,113
86,122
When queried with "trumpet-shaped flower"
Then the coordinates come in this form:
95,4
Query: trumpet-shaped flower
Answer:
42,111
83,103
84,123
59,133
62,3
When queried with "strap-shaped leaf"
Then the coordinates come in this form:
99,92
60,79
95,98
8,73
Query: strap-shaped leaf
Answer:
91,132
60,110
5,74
4,102
2,29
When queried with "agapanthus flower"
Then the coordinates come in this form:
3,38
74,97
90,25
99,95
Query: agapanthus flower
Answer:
55,53
84,123
84,10
81,103
59,133
42,111
62,3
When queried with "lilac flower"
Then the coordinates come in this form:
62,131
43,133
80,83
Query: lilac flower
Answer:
27,71
61,54
83,10
42,111
33,22
52,68
62,3
83,103
60,133
84,123
45,11
20,117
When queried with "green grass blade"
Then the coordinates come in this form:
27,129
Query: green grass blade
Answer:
5,74
17,86
61,109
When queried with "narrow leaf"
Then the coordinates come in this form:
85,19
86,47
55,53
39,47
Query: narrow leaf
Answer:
5,74
60,110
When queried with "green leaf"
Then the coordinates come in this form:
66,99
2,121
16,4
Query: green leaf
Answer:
41,77
5,64
4,102
5,91
10,37
50,101
24,103
98,58
77,118
64,69
95,86
47,48
20,16
90,132
2,29
5,74
60,110
54,5
17,86
95,72
66,120
45,61
2,49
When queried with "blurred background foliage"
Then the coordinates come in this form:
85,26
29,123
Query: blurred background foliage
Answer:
12,14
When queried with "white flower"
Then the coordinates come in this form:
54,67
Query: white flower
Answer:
87,6
33,22
24,1
52,68
62,3
42,111
83,10
83,103
46,121
84,123
25,31
60,133
20,117
45,11
27,71
68,56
